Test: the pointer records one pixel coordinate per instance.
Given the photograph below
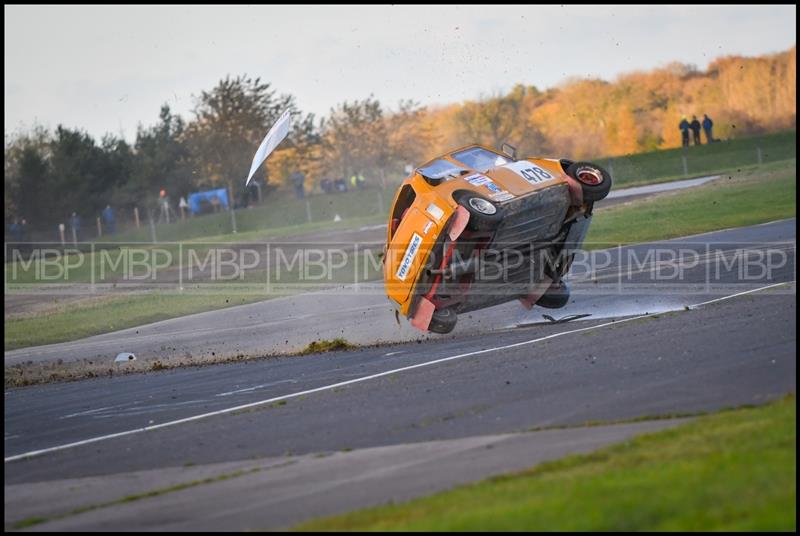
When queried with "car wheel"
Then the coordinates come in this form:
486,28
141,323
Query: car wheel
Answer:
483,214
443,321
556,297
594,180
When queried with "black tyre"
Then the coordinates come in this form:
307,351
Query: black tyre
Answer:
443,321
483,214
594,180
556,297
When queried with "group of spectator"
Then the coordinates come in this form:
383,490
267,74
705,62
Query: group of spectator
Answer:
107,215
357,180
18,230
685,126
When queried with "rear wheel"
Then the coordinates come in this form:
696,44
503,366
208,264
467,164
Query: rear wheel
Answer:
594,180
483,214
443,321
556,297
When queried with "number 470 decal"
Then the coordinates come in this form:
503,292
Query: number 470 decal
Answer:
530,172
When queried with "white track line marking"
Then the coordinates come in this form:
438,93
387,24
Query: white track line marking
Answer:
695,306
33,453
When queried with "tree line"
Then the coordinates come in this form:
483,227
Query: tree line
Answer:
49,174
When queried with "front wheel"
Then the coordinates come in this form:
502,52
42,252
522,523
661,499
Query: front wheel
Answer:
483,214
594,180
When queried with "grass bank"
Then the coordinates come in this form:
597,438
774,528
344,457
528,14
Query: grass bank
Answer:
734,470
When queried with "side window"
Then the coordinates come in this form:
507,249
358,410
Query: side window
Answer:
404,201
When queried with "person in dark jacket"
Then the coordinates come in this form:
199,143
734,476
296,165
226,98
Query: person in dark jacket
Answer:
707,125
108,218
298,179
75,226
695,126
684,126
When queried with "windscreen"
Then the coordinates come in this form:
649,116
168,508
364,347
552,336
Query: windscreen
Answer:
480,159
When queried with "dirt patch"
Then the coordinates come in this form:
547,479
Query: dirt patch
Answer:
32,373
320,346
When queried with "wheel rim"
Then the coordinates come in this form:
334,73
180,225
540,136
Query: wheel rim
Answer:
482,206
589,176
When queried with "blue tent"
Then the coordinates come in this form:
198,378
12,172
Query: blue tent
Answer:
195,198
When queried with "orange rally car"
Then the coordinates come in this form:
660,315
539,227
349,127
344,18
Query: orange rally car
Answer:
478,227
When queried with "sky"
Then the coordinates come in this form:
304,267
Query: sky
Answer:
108,69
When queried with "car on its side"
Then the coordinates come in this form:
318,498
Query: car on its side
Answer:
477,227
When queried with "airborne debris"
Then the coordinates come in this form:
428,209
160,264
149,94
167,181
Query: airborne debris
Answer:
123,357
275,135
564,319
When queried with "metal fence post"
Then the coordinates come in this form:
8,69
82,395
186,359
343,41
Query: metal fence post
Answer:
308,210
152,227
685,166
758,152
232,211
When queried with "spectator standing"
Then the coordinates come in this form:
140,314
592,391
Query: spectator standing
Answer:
19,235
695,126
16,231
75,226
108,219
357,180
708,124
684,126
298,179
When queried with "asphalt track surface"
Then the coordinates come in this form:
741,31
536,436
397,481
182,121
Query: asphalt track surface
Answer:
513,374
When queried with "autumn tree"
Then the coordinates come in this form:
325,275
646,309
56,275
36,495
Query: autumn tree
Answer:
355,138
501,118
230,121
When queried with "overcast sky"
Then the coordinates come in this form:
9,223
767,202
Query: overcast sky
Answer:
109,68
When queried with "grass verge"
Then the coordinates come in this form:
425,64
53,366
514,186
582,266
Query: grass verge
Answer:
734,470
73,322
744,197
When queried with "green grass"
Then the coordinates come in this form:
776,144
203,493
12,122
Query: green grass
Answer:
753,195
665,165
111,314
734,470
